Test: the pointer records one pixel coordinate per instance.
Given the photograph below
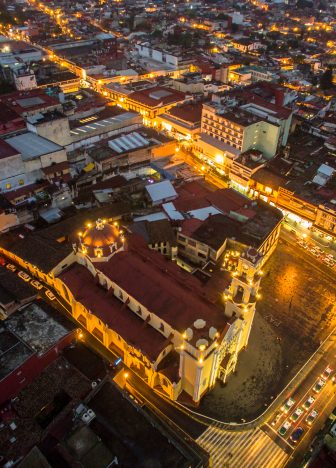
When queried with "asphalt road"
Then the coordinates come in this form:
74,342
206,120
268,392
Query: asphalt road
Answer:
324,403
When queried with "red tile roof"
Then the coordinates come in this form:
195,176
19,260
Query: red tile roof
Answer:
56,168
281,112
162,287
113,312
27,190
10,120
191,196
228,200
19,101
147,96
193,188
190,203
189,226
190,113
6,150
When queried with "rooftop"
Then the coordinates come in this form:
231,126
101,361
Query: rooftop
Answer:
24,102
98,123
190,113
14,287
112,312
31,145
162,287
36,248
13,352
6,150
157,97
161,191
155,231
39,326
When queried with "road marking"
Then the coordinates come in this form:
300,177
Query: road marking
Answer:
253,448
278,435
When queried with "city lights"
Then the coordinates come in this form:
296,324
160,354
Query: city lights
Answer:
168,232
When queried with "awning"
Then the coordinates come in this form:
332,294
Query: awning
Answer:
89,167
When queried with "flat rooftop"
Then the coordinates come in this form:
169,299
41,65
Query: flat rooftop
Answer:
13,352
127,143
31,145
96,123
39,326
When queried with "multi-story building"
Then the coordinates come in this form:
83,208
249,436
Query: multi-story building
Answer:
326,218
148,100
171,58
183,122
241,129
239,222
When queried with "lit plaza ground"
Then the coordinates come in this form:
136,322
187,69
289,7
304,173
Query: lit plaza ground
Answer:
295,314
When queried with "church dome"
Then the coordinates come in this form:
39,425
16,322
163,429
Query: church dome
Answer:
101,240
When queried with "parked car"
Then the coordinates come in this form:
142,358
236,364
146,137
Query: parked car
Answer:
297,434
288,405
311,417
2,261
50,295
276,418
36,284
309,402
11,267
326,373
297,413
319,385
23,275
284,428
316,253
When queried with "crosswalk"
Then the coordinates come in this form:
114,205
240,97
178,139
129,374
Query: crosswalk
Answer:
249,449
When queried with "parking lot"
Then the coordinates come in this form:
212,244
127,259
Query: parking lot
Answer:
299,413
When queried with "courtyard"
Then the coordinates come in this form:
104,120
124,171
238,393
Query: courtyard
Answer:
296,313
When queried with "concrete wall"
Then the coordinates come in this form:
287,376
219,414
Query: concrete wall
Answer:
56,130
12,170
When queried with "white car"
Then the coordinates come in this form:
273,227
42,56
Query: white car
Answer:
284,428
309,402
287,406
297,413
50,295
319,385
23,275
311,417
326,374
36,284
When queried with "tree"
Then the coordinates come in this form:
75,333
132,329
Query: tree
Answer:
326,79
